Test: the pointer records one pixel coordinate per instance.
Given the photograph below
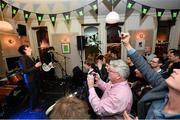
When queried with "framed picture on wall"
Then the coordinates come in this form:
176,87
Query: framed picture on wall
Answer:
140,44
65,48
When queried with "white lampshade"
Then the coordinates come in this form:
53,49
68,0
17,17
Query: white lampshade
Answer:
5,26
112,18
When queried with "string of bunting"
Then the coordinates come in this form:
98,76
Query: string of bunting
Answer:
94,6
145,9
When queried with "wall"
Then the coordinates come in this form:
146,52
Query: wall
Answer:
9,44
74,27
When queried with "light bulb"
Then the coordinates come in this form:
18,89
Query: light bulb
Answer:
112,18
5,26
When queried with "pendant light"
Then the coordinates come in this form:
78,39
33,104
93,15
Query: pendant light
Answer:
112,17
5,26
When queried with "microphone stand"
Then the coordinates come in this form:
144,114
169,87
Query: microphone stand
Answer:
65,58
65,65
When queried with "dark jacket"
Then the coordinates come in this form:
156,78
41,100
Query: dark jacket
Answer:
28,67
158,83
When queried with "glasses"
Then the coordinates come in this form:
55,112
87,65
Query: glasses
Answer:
109,69
153,61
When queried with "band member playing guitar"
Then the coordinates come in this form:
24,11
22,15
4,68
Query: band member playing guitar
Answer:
49,60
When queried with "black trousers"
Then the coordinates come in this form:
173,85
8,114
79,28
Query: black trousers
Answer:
33,89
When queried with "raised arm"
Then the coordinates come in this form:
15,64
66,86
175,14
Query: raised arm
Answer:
149,74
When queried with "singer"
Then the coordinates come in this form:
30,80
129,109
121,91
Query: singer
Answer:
31,73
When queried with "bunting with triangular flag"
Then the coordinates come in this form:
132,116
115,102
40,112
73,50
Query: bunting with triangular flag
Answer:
129,9
26,15
3,5
115,3
159,13
66,16
80,12
108,4
53,18
174,14
14,11
144,11
94,6
39,18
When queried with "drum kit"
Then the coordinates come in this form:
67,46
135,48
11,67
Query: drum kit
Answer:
12,78
11,91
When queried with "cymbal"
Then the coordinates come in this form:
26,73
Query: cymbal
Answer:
4,79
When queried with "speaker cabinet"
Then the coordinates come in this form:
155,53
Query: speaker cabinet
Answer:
81,42
21,30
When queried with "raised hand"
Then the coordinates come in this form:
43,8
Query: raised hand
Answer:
38,64
125,37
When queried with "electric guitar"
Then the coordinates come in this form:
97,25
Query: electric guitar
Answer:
48,67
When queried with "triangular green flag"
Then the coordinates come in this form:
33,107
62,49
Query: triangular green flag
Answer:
53,18
14,11
3,5
26,15
159,13
144,11
94,6
67,16
39,18
129,9
174,14
80,12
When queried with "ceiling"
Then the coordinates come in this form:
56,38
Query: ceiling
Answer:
61,6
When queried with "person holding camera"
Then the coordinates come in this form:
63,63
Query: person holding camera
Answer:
117,96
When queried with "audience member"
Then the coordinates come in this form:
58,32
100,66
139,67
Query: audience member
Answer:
162,102
148,53
102,71
156,65
132,77
68,107
117,95
108,58
164,57
174,58
167,64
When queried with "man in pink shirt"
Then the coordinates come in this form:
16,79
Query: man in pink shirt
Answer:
117,96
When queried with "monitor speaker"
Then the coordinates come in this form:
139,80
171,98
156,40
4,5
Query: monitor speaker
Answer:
21,30
81,42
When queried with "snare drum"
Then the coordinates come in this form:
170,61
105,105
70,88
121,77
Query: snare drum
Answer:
15,78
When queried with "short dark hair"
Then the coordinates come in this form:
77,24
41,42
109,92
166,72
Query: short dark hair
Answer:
100,57
171,50
176,53
22,48
51,48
